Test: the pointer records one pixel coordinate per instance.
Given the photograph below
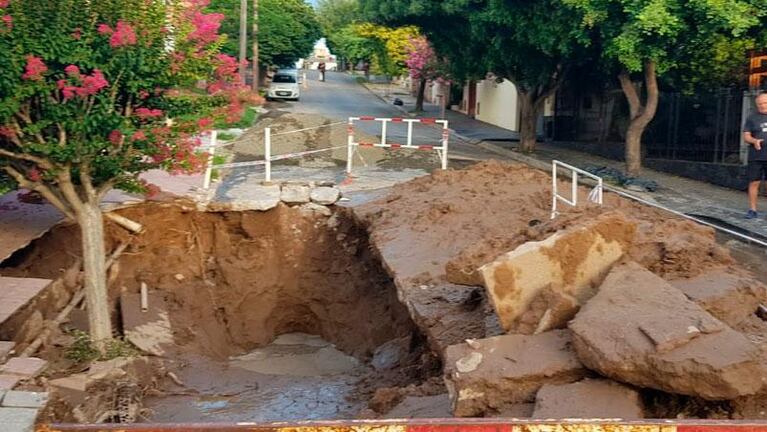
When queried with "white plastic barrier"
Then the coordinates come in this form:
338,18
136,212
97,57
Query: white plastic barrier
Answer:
353,146
595,195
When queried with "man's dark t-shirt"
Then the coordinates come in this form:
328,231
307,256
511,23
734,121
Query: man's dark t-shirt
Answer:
756,123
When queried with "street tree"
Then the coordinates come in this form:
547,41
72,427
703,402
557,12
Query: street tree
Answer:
287,30
335,16
648,39
424,66
391,46
532,44
86,91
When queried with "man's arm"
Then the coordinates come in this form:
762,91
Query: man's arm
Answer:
757,143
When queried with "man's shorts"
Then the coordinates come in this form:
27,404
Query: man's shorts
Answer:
757,170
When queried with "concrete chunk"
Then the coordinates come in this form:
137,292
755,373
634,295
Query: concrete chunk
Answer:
491,375
641,330
729,297
256,197
295,194
18,419
72,389
26,367
325,195
149,330
588,399
25,399
533,287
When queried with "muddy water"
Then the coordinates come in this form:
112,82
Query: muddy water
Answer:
296,377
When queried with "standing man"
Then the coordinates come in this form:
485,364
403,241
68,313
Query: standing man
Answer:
321,68
755,135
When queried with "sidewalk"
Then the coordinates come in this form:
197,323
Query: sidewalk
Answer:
714,204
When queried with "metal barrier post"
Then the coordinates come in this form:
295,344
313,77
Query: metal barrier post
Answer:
409,133
555,194
268,154
383,131
209,169
350,146
445,138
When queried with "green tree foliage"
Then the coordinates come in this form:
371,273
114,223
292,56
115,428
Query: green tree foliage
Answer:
336,17
694,39
531,43
287,29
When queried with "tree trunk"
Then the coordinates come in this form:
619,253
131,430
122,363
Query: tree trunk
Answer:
641,114
527,121
421,93
94,264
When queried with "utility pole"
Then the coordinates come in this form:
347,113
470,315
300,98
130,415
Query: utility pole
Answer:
255,45
243,39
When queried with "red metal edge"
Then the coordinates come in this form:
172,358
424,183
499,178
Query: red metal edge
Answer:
433,425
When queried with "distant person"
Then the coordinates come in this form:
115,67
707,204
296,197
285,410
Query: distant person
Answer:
321,68
755,134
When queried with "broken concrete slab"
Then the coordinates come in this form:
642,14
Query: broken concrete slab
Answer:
257,197
325,195
570,263
72,389
25,399
437,406
24,367
6,348
149,330
17,292
641,330
727,296
489,375
295,194
8,382
588,399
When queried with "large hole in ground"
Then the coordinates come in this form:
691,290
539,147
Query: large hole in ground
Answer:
279,315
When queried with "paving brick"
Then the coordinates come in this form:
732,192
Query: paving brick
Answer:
2,395
17,292
24,399
7,382
26,367
5,349
18,419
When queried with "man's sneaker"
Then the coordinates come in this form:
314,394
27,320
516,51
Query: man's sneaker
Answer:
752,214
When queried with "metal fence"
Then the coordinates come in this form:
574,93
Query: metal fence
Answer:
703,127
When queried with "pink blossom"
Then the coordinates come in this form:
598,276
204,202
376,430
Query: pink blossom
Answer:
138,136
34,175
4,4
124,35
35,68
205,27
143,94
7,131
148,113
92,84
204,123
115,137
8,20
72,70
104,29
77,33
227,67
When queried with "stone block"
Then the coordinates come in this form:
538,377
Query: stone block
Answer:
18,419
588,399
325,195
641,330
25,399
729,297
25,367
295,194
311,209
257,197
539,285
489,376
6,348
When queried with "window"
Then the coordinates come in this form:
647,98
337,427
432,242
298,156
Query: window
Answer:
286,79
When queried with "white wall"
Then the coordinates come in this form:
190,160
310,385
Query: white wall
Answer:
497,104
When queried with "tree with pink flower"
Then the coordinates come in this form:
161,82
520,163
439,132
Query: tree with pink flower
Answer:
85,104
423,65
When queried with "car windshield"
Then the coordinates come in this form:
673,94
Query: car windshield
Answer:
284,79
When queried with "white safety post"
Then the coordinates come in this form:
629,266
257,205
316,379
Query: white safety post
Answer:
445,137
383,131
596,195
410,132
349,146
268,154
209,170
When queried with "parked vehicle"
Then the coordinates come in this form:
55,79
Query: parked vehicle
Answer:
285,85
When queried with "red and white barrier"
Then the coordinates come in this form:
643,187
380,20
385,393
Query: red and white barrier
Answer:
353,145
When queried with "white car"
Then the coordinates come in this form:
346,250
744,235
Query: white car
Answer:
285,85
